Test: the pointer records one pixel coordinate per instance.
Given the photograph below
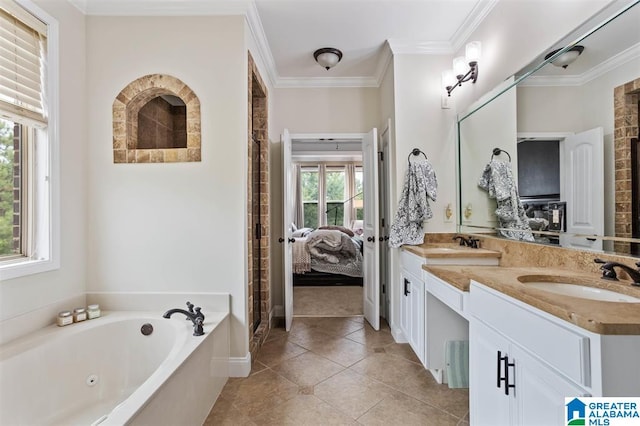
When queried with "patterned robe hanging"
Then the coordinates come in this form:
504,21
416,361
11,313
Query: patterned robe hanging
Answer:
497,179
420,185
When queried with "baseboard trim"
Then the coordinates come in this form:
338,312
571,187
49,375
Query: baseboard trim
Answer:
240,366
398,335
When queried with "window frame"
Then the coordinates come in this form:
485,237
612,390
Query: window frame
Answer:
43,197
312,168
322,168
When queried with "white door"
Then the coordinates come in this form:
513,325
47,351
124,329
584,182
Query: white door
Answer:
371,250
582,187
385,251
488,404
287,246
540,391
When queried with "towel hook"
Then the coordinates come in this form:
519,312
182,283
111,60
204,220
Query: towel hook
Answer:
497,151
416,152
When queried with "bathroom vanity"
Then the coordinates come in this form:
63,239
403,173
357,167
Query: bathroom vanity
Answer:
432,311
530,347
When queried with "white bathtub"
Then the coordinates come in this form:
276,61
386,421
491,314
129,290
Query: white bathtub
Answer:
105,371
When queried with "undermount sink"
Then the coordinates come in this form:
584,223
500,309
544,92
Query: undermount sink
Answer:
564,287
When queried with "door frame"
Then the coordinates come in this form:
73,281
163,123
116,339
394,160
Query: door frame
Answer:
294,137
560,136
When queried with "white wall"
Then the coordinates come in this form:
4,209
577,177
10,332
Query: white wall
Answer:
325,110
26,294
422,123
176,226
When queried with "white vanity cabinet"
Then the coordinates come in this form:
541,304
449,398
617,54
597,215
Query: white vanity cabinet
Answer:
412,305
522,363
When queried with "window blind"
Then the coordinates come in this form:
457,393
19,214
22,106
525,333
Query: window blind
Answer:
22,63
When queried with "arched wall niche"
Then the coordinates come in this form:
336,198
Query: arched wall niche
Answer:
126,118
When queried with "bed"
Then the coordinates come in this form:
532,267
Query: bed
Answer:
327,257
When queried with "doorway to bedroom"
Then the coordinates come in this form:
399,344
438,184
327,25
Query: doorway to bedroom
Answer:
327,227
332,246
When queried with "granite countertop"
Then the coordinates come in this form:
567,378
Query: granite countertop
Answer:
440,250
615,318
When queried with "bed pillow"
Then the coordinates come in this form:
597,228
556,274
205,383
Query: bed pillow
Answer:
302,232
347,231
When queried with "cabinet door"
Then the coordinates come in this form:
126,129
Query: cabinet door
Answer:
540,391
405,305
489,405
416,339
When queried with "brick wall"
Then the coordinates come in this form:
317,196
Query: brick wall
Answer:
625,128
258,128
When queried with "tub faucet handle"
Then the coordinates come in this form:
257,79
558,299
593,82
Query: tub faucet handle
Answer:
190,306
198,313
198,330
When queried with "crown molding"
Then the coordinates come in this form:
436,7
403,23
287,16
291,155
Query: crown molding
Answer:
324,82
384,60
248,9
612,63
409,47
263,50
161,7
471,23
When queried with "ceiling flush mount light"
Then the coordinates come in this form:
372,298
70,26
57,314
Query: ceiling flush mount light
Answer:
565,58
327,57
472,55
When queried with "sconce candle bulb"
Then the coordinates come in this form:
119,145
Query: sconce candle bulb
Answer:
472,55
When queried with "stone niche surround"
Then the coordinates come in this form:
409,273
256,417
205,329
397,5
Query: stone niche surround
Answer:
625,102
126,108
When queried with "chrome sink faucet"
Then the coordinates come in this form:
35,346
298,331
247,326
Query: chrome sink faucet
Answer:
608,273
196,317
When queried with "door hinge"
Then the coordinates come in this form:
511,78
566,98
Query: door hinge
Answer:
382,222
384,289
381,155
258,232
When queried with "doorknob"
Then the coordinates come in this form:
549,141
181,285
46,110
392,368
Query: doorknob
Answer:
281,240
292,240
371,239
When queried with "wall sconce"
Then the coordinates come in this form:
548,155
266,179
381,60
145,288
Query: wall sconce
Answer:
327,57
472,55
565,58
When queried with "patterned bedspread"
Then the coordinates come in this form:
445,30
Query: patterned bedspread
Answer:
335,252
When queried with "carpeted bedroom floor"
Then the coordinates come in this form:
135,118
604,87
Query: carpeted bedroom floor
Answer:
329,301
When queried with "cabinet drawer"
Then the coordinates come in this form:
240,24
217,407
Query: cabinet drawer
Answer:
449,295
411,263
557,345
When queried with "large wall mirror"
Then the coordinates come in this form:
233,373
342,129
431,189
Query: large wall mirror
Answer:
566,134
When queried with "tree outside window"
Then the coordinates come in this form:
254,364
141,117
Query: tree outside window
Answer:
309,177
359,181
335,195
7,165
